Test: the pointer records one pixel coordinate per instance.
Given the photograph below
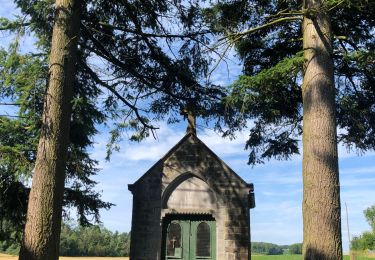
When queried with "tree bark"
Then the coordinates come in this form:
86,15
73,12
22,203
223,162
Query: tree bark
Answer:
42,230
321,188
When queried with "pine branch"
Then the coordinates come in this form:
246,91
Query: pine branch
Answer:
239,35
9,104
119,96
158,55
101,51
13,26
336,5
285,12
13,116
156,35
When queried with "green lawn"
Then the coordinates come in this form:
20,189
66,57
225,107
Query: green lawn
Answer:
294,257
359,258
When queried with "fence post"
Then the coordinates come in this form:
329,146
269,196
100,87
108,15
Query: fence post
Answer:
353,255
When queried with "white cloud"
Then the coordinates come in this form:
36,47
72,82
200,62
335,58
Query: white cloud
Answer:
360,182
358,171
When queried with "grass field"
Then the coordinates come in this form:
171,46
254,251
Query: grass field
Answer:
294,257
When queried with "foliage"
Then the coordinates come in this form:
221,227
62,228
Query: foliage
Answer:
295,249
271,106
266,248
268,35
268,38
9,238
366,241
133,69
273,249
147,67
370,216
22,84
276,257
98,241
94,240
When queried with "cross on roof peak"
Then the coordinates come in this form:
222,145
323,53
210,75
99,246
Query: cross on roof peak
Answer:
189,115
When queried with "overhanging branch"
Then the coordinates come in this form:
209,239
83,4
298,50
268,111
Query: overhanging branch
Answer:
156,35
118,95
101,51
239,35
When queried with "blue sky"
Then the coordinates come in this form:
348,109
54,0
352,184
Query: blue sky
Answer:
277,217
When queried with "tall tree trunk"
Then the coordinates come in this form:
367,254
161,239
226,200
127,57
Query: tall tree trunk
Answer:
42,230
321,188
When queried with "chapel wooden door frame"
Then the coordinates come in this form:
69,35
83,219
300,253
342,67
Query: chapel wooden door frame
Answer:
189,226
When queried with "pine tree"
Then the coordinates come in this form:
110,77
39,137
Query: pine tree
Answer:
321,186
43,224
284,44
23,84
138,83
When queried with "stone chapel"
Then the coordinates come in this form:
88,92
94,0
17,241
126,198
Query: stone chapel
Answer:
191,205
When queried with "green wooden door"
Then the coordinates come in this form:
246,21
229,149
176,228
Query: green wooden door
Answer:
191,240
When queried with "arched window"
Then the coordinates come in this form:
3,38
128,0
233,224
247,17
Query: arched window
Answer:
174,239
203,240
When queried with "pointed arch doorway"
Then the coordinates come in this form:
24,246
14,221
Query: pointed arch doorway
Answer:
189,237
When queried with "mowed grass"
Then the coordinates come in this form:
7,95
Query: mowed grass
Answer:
295,257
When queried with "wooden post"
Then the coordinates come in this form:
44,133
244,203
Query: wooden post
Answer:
352,255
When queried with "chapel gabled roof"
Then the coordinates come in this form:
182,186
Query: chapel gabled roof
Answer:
179,144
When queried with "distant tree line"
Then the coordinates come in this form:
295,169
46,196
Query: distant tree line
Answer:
266,248
94,240
10,238
273,249
366,241
295,249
